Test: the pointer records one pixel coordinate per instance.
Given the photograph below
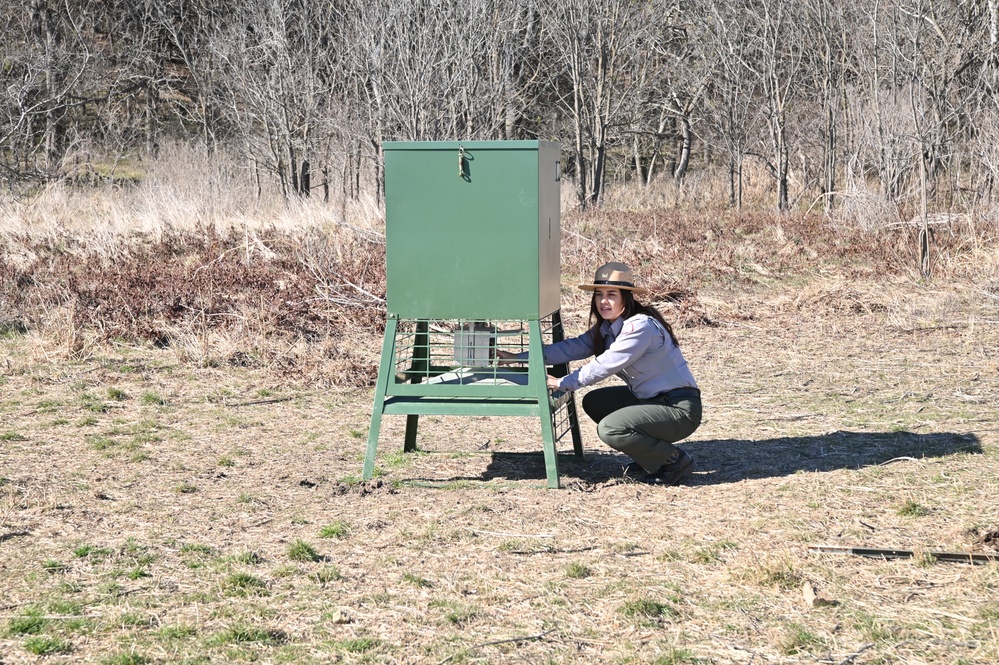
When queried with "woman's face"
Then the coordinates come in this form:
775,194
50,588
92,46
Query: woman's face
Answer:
609,302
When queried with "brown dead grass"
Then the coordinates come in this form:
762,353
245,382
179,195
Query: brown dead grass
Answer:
150,496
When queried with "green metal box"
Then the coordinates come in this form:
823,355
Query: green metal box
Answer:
472,229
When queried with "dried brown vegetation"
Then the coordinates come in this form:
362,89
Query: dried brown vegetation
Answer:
272,294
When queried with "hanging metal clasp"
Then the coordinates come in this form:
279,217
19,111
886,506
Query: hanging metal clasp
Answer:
461,161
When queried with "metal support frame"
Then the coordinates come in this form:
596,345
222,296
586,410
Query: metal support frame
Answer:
412,392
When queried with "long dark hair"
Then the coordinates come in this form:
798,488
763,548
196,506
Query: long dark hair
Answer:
631,308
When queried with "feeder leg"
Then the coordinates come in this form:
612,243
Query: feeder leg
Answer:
421,365
412,423
381,388
538,377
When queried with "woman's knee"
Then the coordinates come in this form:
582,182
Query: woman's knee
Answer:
610,433
593,406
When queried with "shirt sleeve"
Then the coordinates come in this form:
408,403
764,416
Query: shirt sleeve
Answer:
575,348
635,338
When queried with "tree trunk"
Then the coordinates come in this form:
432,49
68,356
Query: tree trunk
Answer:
684,161
45,27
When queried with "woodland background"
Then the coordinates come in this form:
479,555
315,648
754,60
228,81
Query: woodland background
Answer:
835,103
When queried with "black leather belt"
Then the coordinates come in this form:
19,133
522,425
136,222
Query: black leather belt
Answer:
677,393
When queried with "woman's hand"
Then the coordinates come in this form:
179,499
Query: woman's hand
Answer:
506,358
552,383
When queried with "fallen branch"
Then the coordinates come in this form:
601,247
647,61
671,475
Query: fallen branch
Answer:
877,553
528,638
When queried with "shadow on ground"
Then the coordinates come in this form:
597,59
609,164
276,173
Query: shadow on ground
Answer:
731,460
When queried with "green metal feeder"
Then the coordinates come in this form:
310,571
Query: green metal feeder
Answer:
473,266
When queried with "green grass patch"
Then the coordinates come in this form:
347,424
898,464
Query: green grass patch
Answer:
47,645
244,584
54,566
798,639
873,628
577,571
92,552
454,612
248,558
117,394
335,530
197,548
177,632
416,580
327,575
137,573
12,436
242,634
101,443
711,554
90,402
30,622
302,551
782,576
49,406
152,398
676,656
126,658
912,509
358,644
647,609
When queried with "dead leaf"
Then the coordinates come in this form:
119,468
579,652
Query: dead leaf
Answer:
811,598
339,617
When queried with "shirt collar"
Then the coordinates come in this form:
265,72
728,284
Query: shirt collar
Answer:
612,328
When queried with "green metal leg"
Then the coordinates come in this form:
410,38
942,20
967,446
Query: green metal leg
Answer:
381,387
412,424
421,362
538,377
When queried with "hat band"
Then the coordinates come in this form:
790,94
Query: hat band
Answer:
608,282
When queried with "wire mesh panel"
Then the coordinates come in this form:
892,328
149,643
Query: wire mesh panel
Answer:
464,352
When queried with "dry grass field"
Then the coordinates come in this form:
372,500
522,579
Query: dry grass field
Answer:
180,460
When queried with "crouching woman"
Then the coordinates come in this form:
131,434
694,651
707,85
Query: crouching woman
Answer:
661,403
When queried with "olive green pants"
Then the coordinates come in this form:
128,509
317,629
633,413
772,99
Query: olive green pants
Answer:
644,429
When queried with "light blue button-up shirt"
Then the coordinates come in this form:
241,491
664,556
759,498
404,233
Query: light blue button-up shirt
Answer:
638,350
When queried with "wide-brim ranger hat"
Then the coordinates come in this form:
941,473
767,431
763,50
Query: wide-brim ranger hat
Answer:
613,275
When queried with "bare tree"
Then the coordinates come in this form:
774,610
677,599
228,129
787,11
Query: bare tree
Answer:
735,115
775,58
593,44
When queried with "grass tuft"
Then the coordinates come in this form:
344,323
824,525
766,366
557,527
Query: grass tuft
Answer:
244,584
31,622
645,609
335,530
47,645
126,658
798,639
302,551
912,509
242,634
